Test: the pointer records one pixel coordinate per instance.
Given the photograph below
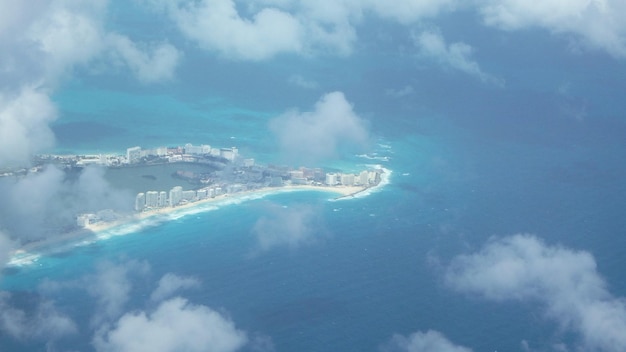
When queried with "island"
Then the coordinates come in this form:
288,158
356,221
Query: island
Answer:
173,179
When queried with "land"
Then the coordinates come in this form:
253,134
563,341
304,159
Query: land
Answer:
342,192
223,175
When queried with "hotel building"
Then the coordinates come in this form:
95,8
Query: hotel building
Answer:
140,201
176,195
133,155
152,199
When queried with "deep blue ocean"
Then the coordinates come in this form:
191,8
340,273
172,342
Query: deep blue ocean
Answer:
468,161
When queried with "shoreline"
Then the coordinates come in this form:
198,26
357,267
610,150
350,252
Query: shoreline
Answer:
30,253
343,191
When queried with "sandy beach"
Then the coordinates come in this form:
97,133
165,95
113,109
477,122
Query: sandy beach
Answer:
342,191
23,255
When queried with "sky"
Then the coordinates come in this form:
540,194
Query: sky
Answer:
47,45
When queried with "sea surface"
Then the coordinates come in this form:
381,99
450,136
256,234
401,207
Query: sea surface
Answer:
468,162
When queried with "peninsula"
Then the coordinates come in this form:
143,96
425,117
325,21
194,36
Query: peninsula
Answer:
202,175
226,173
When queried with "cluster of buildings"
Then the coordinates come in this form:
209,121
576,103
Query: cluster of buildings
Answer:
186,153
137,155
364,178
243,175
317,176
176,196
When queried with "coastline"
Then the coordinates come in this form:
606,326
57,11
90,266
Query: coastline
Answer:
31,252
343,191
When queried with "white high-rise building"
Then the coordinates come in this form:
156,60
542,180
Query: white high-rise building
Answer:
152,199
140,201
176,195
162,199
202,194
189,195
229,153
331,179
372,176
133,154
347,179
364,178
197,149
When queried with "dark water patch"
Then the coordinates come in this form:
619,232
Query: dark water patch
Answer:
154,177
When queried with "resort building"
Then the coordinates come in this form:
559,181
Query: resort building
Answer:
229,153
197,150
189,195
347,179
152,199
176,195
331,179
364,178
140,201
162,199
133,155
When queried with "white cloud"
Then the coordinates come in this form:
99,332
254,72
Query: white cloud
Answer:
429,341
410,11
566,282
264,29
217,25
41,204
149,66
69,33
331,26
6,247
599,23
13,14
170,284
111,287
44,322
457,55
42,41
72,33
314,26
353,11
24,118
322,133
291,226
175,325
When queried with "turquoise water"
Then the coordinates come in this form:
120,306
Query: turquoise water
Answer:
468,162
373,274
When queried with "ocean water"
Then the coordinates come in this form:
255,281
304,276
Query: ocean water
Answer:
376,272
468,162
